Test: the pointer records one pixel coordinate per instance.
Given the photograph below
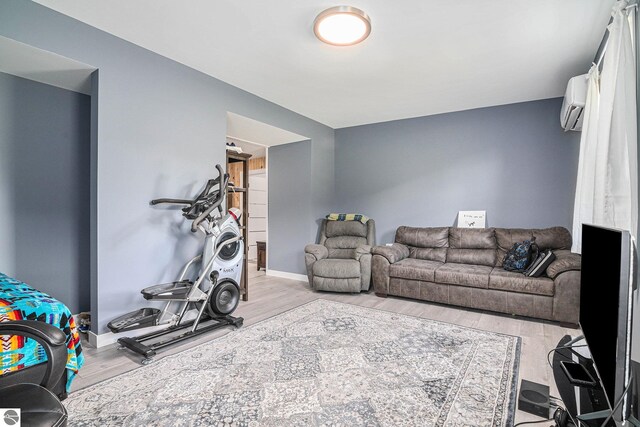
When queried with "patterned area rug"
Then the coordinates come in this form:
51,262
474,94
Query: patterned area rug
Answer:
320,364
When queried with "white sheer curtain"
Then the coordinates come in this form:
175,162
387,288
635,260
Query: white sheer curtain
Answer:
585,184
607,186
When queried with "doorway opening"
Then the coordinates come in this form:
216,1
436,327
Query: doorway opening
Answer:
247,145
257,200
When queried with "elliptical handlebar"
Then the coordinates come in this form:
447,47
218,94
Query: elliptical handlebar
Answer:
193,208
222,180
171,201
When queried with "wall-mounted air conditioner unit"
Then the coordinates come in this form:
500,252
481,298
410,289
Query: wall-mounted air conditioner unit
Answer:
572,111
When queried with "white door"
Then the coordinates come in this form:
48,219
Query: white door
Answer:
257,210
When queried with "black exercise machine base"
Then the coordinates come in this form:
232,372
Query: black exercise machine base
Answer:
148,351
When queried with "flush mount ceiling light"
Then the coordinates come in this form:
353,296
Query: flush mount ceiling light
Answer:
342,26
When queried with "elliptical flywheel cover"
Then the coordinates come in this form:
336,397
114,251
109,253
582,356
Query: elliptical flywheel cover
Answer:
230,250
224,300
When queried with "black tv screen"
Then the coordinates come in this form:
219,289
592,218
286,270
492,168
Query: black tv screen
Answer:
605,304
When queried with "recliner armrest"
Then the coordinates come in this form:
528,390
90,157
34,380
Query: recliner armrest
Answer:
318,251
394,253
362,250
51,338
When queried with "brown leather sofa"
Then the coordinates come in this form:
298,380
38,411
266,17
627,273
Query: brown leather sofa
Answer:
463,267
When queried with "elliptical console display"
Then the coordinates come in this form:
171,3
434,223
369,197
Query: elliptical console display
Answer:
203,301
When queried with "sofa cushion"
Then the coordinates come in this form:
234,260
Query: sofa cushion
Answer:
464,274
472,256
553,238
343,246
345,242
332,284
426,237
472,238
346,228
337,268
414,269
517,282
565,261
433,254
506,237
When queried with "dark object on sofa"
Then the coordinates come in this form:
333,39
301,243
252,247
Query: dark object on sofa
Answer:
38,404
463,266
342,260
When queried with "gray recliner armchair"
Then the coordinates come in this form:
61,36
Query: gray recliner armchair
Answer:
341,262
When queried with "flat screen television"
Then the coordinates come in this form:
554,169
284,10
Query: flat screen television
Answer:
606,308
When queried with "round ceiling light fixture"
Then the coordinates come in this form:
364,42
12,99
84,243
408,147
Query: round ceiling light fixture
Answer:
342,26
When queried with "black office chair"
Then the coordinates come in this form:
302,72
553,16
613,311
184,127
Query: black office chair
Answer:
39,407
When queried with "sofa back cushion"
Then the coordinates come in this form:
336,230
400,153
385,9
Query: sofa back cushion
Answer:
429,243
472,246
553,238
345,228
343,246
342,237
472,238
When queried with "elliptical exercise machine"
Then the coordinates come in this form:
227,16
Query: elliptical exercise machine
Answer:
214,292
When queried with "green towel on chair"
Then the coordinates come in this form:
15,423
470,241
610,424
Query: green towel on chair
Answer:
347,217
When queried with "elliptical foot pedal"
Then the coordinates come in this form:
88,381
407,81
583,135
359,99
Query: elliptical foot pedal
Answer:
168,291
134,320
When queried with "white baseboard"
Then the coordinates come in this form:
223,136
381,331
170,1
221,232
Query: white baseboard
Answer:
287,275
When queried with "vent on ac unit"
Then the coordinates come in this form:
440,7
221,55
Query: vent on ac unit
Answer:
572,111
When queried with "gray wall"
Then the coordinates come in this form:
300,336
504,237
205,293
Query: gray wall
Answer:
289,182
513,161
44,188
160,130
635,339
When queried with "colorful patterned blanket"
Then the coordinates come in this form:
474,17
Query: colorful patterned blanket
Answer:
347,217
19,301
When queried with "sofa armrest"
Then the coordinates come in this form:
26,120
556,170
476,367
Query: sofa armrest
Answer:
365,271
318,251
362,250
565,261
566,299
394,253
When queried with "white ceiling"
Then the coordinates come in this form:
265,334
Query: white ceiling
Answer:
256,132
422,57
31,63
254,149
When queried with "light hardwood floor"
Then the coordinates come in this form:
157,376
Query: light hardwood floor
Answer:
270,296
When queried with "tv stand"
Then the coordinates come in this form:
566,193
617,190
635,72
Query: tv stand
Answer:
587,404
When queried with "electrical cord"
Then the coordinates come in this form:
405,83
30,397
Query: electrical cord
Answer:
559,408
562,347
620,399
532,422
